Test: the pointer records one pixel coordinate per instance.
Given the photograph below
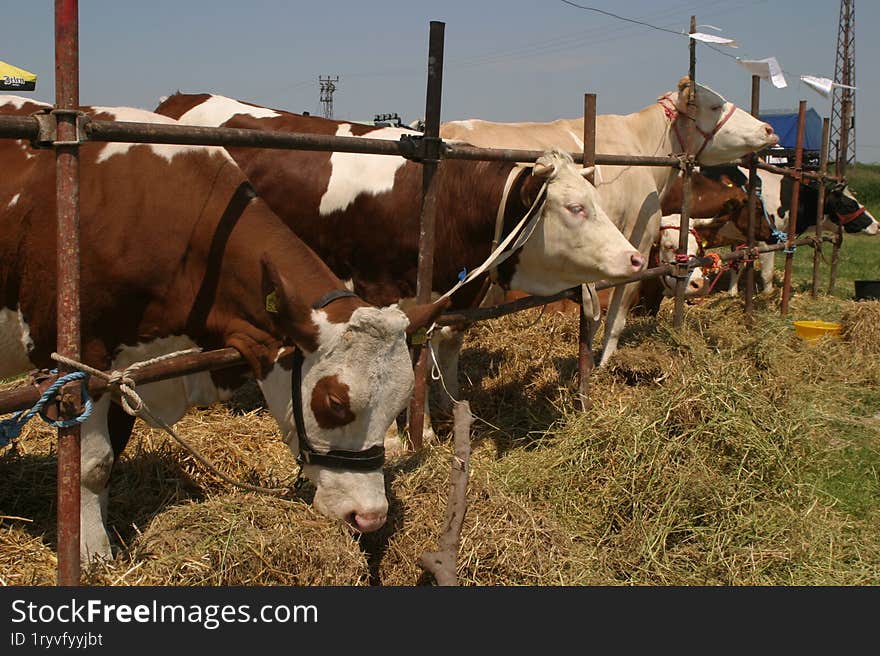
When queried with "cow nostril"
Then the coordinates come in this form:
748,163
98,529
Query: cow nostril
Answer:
637,261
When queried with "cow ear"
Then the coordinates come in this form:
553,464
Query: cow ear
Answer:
529,190
422,316
275,296
543,169
587,171
684,94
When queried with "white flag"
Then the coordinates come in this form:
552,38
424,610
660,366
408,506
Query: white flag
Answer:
711,38
766,69
822,84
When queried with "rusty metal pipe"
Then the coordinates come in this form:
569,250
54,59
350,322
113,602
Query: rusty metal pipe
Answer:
752,201
687,189
24,397
820,208
68,263
425,274
586,325
793,214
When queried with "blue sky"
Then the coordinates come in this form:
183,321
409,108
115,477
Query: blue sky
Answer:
505,60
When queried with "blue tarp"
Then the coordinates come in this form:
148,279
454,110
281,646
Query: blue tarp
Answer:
785,125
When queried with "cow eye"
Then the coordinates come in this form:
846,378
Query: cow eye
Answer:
576,208
336,404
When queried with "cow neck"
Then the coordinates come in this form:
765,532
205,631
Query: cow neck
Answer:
368,459
513,212
501,224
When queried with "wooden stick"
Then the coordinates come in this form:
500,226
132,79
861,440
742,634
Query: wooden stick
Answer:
442,563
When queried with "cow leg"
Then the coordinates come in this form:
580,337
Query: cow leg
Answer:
447,344
768,263
96,461
119,426
733,285
615,320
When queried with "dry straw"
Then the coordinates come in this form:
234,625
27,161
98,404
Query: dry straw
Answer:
715,455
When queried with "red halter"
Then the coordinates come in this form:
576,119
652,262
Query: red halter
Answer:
672,113
847,218
693,231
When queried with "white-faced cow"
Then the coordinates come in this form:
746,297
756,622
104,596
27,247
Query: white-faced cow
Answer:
361,213
631,195
841,208
178,252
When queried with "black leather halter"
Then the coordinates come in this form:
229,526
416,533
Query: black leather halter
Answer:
368,459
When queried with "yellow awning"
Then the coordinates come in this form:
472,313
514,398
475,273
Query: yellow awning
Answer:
13,78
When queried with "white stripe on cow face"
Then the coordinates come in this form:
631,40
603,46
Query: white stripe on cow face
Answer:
216,110
15,343
353,174
14,200
167,151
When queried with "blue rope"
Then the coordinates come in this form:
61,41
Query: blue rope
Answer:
10,428
780,235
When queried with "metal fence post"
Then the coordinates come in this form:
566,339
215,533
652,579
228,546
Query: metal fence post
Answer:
586,326
820,207
686,196
425,274
753,186
793,212
68,260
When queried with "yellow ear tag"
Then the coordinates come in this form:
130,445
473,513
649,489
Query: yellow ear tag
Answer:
419,337
272,303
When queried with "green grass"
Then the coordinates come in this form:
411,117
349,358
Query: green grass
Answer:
859,260
860,254
864,179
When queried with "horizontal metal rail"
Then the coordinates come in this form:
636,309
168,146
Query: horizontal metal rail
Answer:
24,397
456,317
411,147
794,173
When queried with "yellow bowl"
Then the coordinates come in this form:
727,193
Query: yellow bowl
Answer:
810,330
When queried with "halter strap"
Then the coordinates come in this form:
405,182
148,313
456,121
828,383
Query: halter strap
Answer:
672,113
696,235
848,218
514,174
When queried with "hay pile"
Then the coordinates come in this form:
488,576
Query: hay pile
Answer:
713,455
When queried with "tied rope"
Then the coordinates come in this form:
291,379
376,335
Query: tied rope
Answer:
133,404
10,429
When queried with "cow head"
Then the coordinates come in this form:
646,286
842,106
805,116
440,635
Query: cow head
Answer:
724,132
667,247
841,207
574,242
354,378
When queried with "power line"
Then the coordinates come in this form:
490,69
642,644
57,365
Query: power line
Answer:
623,18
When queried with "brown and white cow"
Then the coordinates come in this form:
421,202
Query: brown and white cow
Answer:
631,195
177,252
361,212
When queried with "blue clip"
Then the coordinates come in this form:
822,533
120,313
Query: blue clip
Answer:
462,274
